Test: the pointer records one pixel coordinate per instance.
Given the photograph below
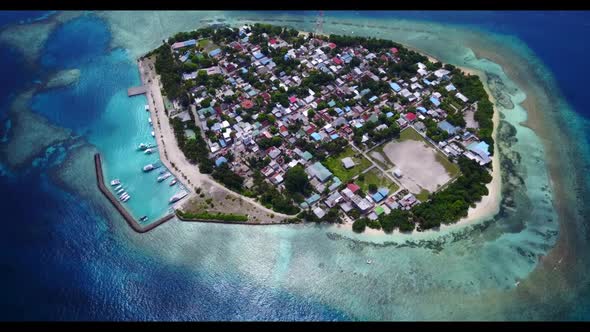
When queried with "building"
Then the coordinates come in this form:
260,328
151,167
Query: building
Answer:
348,163
446,126
319,171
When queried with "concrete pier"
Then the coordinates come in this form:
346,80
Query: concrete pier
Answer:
136,90
136,226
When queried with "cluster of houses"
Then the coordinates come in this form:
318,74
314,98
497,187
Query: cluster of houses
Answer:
229,132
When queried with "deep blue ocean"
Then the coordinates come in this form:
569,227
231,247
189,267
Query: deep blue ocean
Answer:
48,235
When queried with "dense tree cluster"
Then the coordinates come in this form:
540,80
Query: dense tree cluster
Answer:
225,175
194,149
169,72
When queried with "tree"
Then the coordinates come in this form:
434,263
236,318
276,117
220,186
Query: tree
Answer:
310,114
296,180
359,225
372,187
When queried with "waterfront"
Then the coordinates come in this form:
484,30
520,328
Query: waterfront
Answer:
234,272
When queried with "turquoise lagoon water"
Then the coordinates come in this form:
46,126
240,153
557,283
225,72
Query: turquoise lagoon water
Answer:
100,269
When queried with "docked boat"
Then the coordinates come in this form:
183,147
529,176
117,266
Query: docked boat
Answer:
142,146
177,197
123,194
151,167
153,134
120,190
119,187
144,218
147,107
173,182
164,177
150,120
149,151
115,182
126,198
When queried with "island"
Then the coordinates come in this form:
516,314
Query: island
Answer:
317,128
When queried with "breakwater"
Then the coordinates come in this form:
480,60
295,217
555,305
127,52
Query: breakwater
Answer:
134,224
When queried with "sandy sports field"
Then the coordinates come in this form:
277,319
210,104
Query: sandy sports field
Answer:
417,161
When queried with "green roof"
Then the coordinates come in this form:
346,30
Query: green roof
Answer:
307,156
379,210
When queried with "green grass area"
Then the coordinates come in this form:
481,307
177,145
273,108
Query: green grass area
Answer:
212,216
204,42
377,177
334,164
412,134
423,195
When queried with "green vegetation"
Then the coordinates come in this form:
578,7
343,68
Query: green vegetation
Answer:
212,216
451,204
334,164
359,225
169,71
423,195
375,177
194,149
472,87
296,180
225,175
396,219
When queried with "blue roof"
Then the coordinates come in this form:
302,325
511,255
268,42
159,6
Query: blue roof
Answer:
373,98
215,52
245,39
339,110
481,146
395,87
222,143
258,55
244,70
377,197
264,60
219,161
334,136
306,155
422,109
347,109
446,126
435,101
451,87
383,191
389,114
316,136
312,199
331,103
426,81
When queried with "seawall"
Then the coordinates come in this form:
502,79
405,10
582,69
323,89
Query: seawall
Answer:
136,226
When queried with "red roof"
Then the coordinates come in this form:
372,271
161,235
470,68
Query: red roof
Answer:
292,99
332,45
337,60
353,187
247,104
311,129
272,41
283,128
410,116
394,50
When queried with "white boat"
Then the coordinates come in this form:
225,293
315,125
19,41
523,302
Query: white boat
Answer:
147,107
119,187
144,218
142,146
150,120
126,199
369,261
120,190
178,197
173,182
148,151
164,177
115,182
153,134
123,194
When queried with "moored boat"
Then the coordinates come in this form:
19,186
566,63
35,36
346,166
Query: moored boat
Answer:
126,198
144,218
115,182
142,146
153,134
164,177
151,167
148,151
173,182
177,197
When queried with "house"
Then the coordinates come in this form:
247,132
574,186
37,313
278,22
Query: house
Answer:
435,101
348,163
319,171
410,116
219,161
462,97
333,199
446,126
353,187
319,212
190,42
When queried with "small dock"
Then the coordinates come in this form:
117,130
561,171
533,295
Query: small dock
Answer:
136,90
136,226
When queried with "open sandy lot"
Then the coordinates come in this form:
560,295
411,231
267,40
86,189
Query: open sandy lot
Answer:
418,164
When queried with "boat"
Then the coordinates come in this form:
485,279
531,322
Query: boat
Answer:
369,261
162,172
148,151
120,190
150,120
151,167
144,218
177,197
147,107
126,198
119,187
173,182
164,177
115,182
123,194
142,146
153,134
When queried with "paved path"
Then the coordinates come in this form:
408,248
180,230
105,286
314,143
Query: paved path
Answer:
170,153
